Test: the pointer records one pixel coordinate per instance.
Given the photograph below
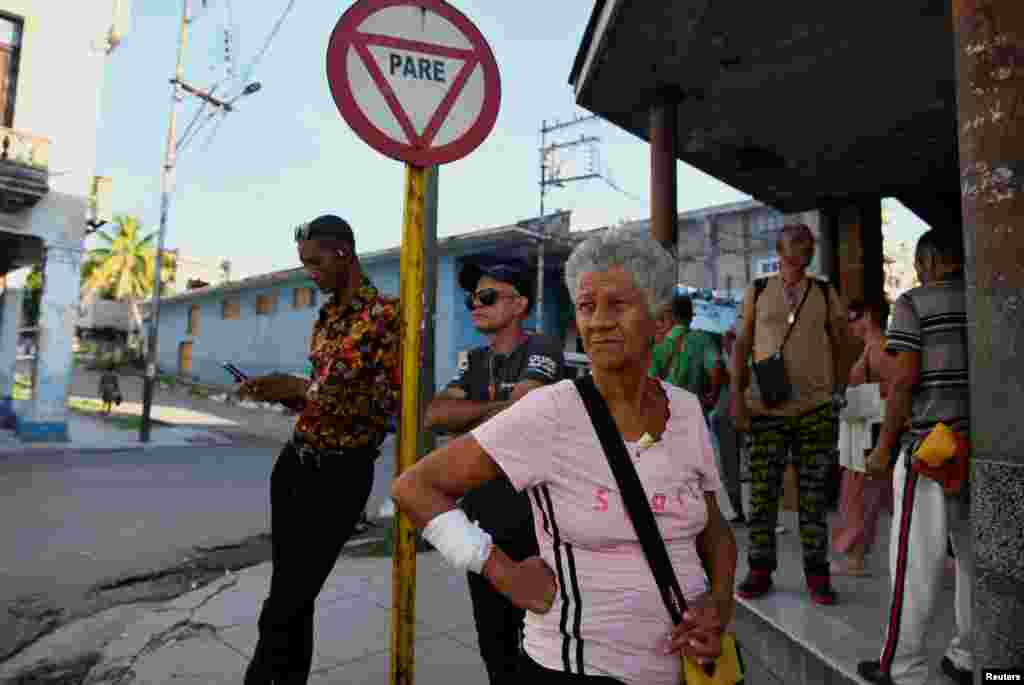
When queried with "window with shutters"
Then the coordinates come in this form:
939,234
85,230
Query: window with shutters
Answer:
303,298
193,320
266,303
232,308
10,52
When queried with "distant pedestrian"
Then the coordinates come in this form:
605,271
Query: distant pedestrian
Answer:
322,479
687,358
110,389
493,378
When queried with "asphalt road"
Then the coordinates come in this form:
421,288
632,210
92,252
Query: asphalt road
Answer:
70,524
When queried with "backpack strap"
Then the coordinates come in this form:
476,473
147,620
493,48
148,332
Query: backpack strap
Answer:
825,287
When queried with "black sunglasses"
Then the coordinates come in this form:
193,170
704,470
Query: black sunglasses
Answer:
486,297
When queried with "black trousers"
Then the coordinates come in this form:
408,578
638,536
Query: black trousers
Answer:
729,446
507,516
313,512
532,673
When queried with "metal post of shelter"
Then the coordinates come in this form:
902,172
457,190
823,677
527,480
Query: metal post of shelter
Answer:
663,135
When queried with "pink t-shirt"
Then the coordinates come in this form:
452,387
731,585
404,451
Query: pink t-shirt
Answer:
608,617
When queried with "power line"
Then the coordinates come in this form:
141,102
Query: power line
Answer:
247,73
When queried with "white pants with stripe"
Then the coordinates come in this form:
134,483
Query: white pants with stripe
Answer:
935,519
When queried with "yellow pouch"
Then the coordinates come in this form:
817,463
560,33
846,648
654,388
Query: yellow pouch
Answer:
939,447
728,669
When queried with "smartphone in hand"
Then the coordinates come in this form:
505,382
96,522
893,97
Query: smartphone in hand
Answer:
233,370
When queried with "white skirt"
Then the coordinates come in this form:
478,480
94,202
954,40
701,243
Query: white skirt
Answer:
864,408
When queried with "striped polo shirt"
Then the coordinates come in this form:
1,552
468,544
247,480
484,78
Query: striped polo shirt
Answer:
932,320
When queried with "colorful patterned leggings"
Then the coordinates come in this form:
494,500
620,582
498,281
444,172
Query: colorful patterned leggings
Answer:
811,439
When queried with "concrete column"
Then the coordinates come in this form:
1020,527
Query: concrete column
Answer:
748,273
859,250
827,257
47,419
663,136
10,321
990,80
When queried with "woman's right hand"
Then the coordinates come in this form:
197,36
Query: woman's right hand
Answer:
529,584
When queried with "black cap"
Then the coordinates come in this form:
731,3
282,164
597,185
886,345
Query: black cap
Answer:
514,276
326,227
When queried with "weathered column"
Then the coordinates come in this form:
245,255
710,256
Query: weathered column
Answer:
859,251
10,320
990,102
47,419
827,256
663,136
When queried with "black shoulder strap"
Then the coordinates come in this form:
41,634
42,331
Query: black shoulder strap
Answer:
759,285
633,495
828,304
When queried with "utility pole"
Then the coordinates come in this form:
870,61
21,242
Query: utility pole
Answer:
554,180
178,88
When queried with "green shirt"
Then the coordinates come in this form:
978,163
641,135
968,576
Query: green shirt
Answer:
691,369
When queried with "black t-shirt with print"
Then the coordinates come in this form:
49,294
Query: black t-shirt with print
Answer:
499,509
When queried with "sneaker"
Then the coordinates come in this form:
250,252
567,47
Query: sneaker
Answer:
871,671
757,584
821,590
957,675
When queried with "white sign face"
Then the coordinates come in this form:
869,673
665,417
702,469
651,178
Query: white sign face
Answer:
414,78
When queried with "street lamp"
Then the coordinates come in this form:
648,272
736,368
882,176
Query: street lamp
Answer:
178,86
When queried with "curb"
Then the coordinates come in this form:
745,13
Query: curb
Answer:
7,453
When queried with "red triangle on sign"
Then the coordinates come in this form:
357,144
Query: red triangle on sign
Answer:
362,41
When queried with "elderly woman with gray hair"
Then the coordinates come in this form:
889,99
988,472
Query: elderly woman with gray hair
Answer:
594,610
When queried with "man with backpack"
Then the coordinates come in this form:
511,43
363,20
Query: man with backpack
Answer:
792,328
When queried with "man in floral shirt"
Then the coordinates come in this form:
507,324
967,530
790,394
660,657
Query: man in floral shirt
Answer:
322,479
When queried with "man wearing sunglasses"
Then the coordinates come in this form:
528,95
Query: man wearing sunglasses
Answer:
322,479
491,379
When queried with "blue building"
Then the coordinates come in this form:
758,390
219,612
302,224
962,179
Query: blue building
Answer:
263,323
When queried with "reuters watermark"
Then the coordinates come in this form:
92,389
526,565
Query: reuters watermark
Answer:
1002,675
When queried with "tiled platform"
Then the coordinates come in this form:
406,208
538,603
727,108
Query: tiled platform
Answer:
787,640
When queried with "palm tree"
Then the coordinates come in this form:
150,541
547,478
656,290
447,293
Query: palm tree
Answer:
125,267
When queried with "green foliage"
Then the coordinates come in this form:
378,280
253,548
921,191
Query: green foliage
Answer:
124,267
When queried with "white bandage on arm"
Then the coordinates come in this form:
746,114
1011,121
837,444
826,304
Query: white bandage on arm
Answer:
462,544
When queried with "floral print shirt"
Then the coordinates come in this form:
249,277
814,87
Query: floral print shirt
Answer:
355,379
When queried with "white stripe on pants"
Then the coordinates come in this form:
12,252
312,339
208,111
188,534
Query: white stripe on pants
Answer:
936,518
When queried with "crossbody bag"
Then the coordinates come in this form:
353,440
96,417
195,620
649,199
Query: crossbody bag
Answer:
727,668
772,379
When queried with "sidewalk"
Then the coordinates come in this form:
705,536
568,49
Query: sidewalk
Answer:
94,434
208,635
189,421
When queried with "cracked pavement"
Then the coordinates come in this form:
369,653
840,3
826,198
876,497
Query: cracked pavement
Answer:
207,636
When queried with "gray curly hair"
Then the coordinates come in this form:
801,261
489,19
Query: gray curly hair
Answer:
652,267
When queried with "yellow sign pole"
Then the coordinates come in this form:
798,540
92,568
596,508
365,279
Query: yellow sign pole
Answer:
403,582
